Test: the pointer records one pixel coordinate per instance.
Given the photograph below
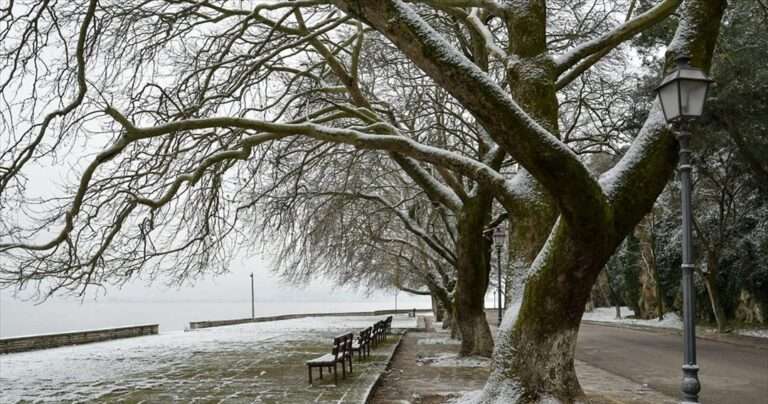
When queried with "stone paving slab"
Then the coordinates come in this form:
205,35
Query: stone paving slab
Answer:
616,389
425,370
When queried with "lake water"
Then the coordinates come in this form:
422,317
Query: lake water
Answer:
26,318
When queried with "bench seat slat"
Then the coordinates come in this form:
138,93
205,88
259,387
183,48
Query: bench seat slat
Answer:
327,358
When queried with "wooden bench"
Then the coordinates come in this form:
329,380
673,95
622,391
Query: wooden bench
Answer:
363,344
375,334
340,353
388,326
382,329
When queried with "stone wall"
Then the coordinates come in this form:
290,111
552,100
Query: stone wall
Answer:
219,323
33,342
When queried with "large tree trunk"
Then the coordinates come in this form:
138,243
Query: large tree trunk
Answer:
473,268
450,321
659,295
443,303
536,344
528,228
437,309
714,302
714,296
534,355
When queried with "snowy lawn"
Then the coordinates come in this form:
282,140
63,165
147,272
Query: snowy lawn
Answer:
608,315
757,333
671,320
260,362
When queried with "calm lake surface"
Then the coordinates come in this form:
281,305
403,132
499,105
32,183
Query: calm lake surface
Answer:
26,318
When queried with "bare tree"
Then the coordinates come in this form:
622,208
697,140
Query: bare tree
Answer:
192,98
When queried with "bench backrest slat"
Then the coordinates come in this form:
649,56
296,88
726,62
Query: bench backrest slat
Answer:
342,345
364,336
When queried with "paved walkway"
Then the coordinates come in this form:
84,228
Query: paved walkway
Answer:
246,363
425,370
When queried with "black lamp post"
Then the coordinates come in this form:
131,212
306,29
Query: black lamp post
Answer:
253,305
498,241
682,94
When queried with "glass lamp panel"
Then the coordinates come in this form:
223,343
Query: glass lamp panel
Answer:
670,103
692,97
498,235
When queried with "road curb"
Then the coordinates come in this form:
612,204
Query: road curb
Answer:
738,340
372,388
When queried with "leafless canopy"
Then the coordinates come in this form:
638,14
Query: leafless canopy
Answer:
183,130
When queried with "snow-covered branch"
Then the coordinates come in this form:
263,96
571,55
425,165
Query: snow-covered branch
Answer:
575,190
616,36
362,140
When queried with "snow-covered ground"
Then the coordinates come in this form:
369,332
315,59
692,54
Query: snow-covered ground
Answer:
208,364
468,397
608,315
438,341
671,320
448,360
759,333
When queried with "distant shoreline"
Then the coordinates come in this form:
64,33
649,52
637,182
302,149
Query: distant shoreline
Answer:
25,318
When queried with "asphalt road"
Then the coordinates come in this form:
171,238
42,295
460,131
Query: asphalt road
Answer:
730,373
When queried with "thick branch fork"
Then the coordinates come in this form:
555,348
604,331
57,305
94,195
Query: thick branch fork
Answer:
551,162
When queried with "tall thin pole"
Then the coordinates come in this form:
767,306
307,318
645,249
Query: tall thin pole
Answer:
498,280
396,291
690,385
253,306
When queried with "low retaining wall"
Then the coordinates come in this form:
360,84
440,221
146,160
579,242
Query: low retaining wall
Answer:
34,342
219,323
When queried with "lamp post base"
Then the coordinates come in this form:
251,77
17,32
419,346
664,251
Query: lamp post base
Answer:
690,385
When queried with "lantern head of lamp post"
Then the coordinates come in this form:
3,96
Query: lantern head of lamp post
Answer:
498,237
682,93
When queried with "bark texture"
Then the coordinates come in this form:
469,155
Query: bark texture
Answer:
473,268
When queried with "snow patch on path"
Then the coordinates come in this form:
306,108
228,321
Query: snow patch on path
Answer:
451,360
469,397
438,341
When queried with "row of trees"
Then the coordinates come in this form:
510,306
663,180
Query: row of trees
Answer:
377,142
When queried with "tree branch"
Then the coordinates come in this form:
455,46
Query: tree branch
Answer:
575,190
612,39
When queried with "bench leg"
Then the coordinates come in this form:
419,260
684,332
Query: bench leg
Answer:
321,372
310,374
350,364
335,377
